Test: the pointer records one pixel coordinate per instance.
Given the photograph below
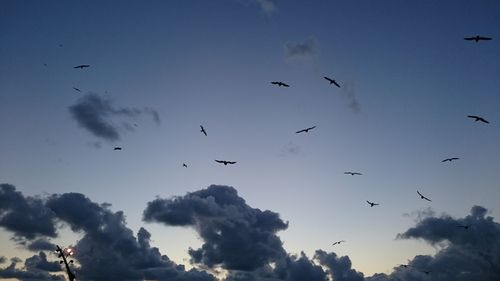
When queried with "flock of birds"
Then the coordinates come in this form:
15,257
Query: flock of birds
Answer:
331,81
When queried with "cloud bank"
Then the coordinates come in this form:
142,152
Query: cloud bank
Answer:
238,240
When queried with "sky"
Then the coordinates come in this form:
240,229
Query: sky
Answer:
160,69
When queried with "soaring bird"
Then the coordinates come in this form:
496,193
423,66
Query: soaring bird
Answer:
82,66
332,81
403,265
76,89
184,165
203,130
477,38
338,242
353,173
478,118
306,130
464,226
225,162
279,84
372,204
450,159
117,148
423,197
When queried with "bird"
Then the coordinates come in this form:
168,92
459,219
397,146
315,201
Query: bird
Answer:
477,38
403,265
464,226
82,66
203,130
306,130
76,89
225,162
117,148
338,242
184,165
372,204
425,271
450,159
332,81
279,84
478,118
423,197
353,173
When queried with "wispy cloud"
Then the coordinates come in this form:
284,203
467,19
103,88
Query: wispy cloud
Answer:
348,93
97,115
302,50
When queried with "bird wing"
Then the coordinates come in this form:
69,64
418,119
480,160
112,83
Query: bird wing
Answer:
483,120
445,160
330,80
231,162
285,85
419,193
483,38
427,199
357,174
469,38
369,202
310,128
455,158
219,161
473,116
336,84
275,83
300,131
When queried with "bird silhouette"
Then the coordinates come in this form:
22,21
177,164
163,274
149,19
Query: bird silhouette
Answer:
184,165
478,38
353,173
82,66
76,89
372,204
423,197
225,162
403,265
117,148
450,159
306,130
425,271
337,242
477,118
279,84
203,130
464,226
332,81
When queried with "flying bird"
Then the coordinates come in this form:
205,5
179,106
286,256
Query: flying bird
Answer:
82,66
117,148
478,118
306,130
203,130
450,159
225,162
372,204
184,165
279,84
338,242
403,265
76,89
353,173
332,81
423,197
464,226
478,38
425,271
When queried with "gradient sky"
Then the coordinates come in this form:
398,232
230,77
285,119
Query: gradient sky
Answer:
210,63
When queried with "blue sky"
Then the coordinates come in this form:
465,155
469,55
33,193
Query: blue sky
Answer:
210,63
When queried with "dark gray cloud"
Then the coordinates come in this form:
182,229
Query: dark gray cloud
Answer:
41,244
227,225
34,269
340,268
465,254
40,262
109,250
27,217
98,116
306,50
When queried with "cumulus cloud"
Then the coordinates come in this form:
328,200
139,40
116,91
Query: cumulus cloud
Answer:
98,116
227,225
35,268
27,217
41,244
305,50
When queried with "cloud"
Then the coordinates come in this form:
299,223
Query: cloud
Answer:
340,268
267,6
290,149
41,244
306,50
3,259
96,115
34,269
27,217
349,94
227,225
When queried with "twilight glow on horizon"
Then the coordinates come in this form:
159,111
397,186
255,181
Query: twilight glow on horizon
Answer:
238,140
